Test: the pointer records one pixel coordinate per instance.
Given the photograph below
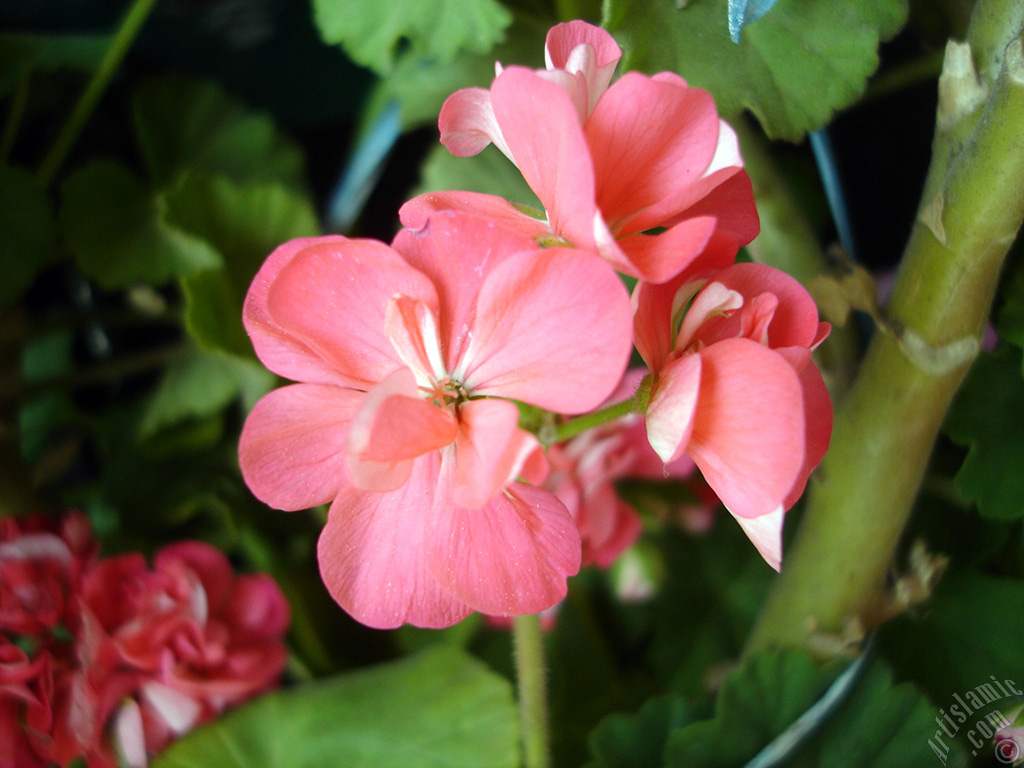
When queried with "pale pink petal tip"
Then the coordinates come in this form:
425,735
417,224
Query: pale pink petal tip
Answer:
765,533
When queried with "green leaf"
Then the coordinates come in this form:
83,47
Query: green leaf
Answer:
244,222
982,419
199,384
28,232
793,69
969,631
490,172
184,123
372,33
47,53
638,740
1010,319
118,231
878,726
440,709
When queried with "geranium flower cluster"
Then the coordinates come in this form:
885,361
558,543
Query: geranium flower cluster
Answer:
106,660
420,364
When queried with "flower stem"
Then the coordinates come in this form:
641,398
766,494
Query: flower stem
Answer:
119,46
531,675
862,494
571,428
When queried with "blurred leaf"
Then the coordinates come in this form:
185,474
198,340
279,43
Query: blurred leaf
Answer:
184,123
982,418
878,726
118,230
199,384
28,231
244,222
490,172
47,52
435,710
744,12
372,33
793,69
971,628
638,740
1010,319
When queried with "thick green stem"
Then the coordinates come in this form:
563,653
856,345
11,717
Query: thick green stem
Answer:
122,42
587,421
885,429
531,674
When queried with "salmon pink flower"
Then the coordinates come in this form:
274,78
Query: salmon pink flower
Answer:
608,164
409,358
735,386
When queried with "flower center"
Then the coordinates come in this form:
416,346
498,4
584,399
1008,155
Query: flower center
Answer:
446,392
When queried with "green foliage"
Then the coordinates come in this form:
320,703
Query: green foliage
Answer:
878,726
118,230
793,68
638,740
36,52
372,33
971,628
489,172
185,123
982,417
438,709
28,231
244,223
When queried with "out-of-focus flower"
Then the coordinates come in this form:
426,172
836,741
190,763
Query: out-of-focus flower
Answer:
609,164
410,358
172,647
735,386
584,471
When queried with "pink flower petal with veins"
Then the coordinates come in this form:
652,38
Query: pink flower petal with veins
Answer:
347,286
468,125
748,432
509,557
292,447
373,554
532,308
765,533
393,427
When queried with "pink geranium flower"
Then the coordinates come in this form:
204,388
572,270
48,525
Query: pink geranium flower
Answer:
735,387
608,164
410,357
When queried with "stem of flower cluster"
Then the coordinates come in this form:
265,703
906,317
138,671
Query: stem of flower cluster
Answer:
531,674
861,496
122,42
573,427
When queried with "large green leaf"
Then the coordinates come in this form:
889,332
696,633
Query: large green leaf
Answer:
793,68
878,726
490,172
184,123
638,740
199,384
439,709
244,222
372,32
118,231
28,231
983,417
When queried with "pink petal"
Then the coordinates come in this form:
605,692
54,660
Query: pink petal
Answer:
490,451
818,418
748,434
511,556
457,251
412,329
467,123
794,322
334,297
208,563
577,46
672,408
129,735
393,427
765,533
292,447
552,329
416,212
650,140
728,196
657,258
542,128
279,350
372,555
178,711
